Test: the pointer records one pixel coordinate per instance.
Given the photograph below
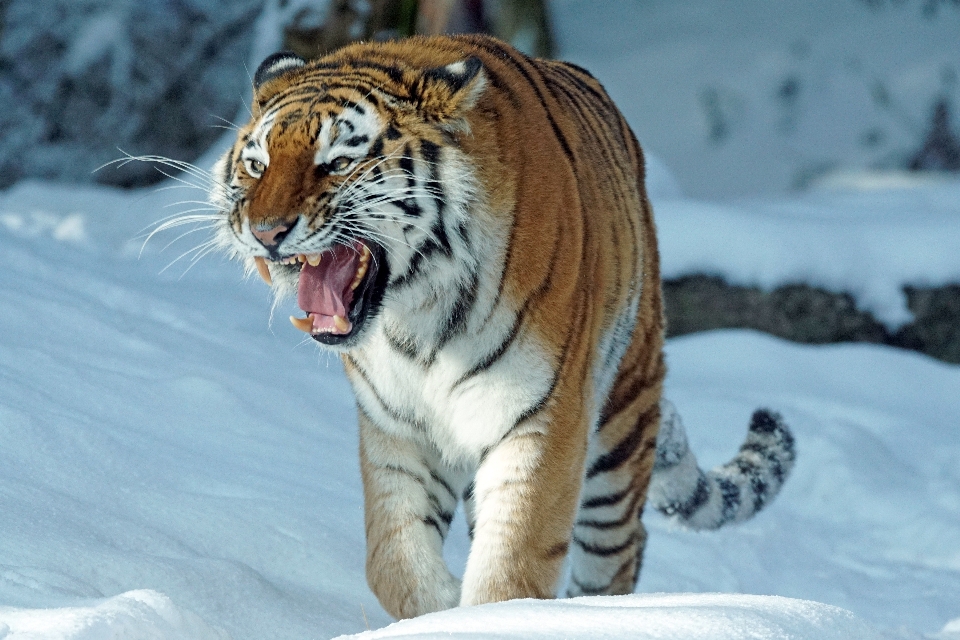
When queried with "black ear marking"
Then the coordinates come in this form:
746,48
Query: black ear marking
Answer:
456,75
275,66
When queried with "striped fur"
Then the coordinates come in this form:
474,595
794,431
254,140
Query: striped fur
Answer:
731,492
512,355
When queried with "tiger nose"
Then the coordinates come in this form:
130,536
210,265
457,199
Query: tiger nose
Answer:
270,237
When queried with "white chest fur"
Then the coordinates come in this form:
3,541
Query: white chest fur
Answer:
447,402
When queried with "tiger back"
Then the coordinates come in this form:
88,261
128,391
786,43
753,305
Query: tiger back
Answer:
468,228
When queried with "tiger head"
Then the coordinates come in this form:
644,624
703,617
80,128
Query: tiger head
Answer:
345,180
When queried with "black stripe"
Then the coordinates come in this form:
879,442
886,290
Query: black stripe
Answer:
431,521
402,346
494,355
443,483
730,493
356,141
699,497
431,155
456,321
376,149
413,270
409,206
607,500
629,516
350,104
621,452
404,471
595,590
502,53
395,414
598,550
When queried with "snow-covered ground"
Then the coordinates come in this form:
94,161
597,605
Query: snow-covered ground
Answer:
173,466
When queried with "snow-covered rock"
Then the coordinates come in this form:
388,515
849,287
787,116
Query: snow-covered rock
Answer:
82,79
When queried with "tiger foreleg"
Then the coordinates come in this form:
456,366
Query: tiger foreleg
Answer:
408,506
525,496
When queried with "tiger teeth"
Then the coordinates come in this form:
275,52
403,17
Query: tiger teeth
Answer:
357,279
263,269
304,324
342,324
313,259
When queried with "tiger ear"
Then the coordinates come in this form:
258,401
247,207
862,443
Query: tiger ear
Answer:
450,91
274,67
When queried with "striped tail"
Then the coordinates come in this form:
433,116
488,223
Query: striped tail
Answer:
729,493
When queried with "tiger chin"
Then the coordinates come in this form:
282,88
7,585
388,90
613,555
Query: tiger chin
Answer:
468,228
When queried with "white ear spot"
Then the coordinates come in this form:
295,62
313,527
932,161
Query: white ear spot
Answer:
457,68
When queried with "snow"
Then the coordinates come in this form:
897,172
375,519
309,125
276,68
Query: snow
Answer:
765,96
643,617
173,465
135,615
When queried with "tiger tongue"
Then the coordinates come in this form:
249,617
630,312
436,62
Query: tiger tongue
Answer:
324,290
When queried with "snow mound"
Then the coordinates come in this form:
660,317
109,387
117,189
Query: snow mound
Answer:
714,616
134,615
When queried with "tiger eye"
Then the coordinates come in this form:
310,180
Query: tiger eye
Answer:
340,163
255,168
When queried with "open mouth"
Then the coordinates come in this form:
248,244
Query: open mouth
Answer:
337,289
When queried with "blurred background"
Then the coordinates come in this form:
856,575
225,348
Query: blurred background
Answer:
731,100
737,98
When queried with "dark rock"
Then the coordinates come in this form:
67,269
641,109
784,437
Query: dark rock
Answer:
811,315
936,330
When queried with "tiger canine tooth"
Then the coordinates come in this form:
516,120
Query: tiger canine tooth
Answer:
313,259
342,324
304,324
263,269
357,279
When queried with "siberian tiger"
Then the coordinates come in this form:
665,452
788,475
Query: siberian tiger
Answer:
468,229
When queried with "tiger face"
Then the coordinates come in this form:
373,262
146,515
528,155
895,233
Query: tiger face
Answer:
336,189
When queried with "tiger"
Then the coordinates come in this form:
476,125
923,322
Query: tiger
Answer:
468,229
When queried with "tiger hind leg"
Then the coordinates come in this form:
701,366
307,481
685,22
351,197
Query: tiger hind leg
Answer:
608,537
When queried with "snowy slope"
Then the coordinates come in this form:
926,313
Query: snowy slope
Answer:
173,467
